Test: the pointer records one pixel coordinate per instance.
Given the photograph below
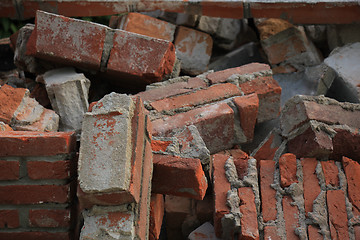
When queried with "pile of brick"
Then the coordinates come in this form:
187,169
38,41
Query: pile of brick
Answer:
181,155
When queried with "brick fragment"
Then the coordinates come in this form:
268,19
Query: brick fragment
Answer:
11,100
158,145
345,143
310,182
267,171
269,146
352,172
249,224
272,26
178,176
50,218
337,214
156,215
9,219
5,127
9,170
331,172
287,165
291,216
48,170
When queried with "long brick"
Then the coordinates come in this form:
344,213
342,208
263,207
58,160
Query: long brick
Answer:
310,182
19,143
9,219
34,194
177,176
287,166
331,173
337,214
221,76
211,94
11,100
48,170
50,218
352,172
314,233
221,187
9,170
267,171
214,122
156,215
291,217
270,233
35,235
67,40
249,223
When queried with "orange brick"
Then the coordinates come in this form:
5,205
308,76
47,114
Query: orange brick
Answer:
331,173
10,101
287,165
249,224
9,170
291,216
9,218
337,214
310,182
267,171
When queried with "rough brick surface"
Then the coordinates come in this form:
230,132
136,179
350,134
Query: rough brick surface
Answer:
331,173
178,176
352,171
268,148
270,232
9,170
291,217
156,215
49,218
48,170
249,224
13,98
314,233
267,171
337,214
310,182
287,165
9,219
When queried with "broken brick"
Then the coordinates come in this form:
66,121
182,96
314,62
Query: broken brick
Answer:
291,217
9,170
156,215
267,171
14,97
50,218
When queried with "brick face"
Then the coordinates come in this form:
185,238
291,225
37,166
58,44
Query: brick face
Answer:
14,97
49,218
249,224
9,219
267,171
156,215
352,171
9,170
310,182
287,165
337,214
291,216
48,170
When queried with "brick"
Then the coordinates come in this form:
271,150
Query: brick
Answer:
272,26
267,171
248,107
310,183
249,224
314,233
19,143
291,217
352,172
331,172
177,176
54,32
222,76
158,145
49,218
138,57
270,233
34,194
357,231
268,147
11,100
345,143
205,231
35,235
9,219
193,48
221,187
9,170
287,166
211,94
176,210
156,215
48,170
5,127
214,122
149,26
337,214
47,122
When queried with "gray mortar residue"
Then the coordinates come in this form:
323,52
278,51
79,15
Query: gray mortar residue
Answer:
281,150
231,222
167,82
238,131
231,174
203,76
319,215
243,78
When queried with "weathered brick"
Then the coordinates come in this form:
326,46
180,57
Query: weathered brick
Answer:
345,143
291,217
222,76
149,26
9,218
248,107
310,182
211,94
331,173
48,121
19,143
357,231
9,170
34,194
270,233
11,100
156,215
158,145
352,172
272,26
240,159
178,176
268,148
35,235
5,127
193,48
337,214
249,224
50,218
314,233
214,122
267,171
48,170
287,166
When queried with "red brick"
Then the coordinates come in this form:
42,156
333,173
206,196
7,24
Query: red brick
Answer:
5,127
270,233
287,166
10,101
248,107
291,217
53,33
337,214
172,89
19,143
345,143
134,56
352,172
310,182
149,26
357,231
158,145
34,194
221,187
149,127
314,233
156,215
331,173
240,161
177,176
48,170
40,94
249,224
9,170
221,76
268,194
214,122
268,147
35,235
9,219
49,218
211,94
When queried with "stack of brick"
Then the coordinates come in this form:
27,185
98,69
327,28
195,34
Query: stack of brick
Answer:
115,169
37,185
